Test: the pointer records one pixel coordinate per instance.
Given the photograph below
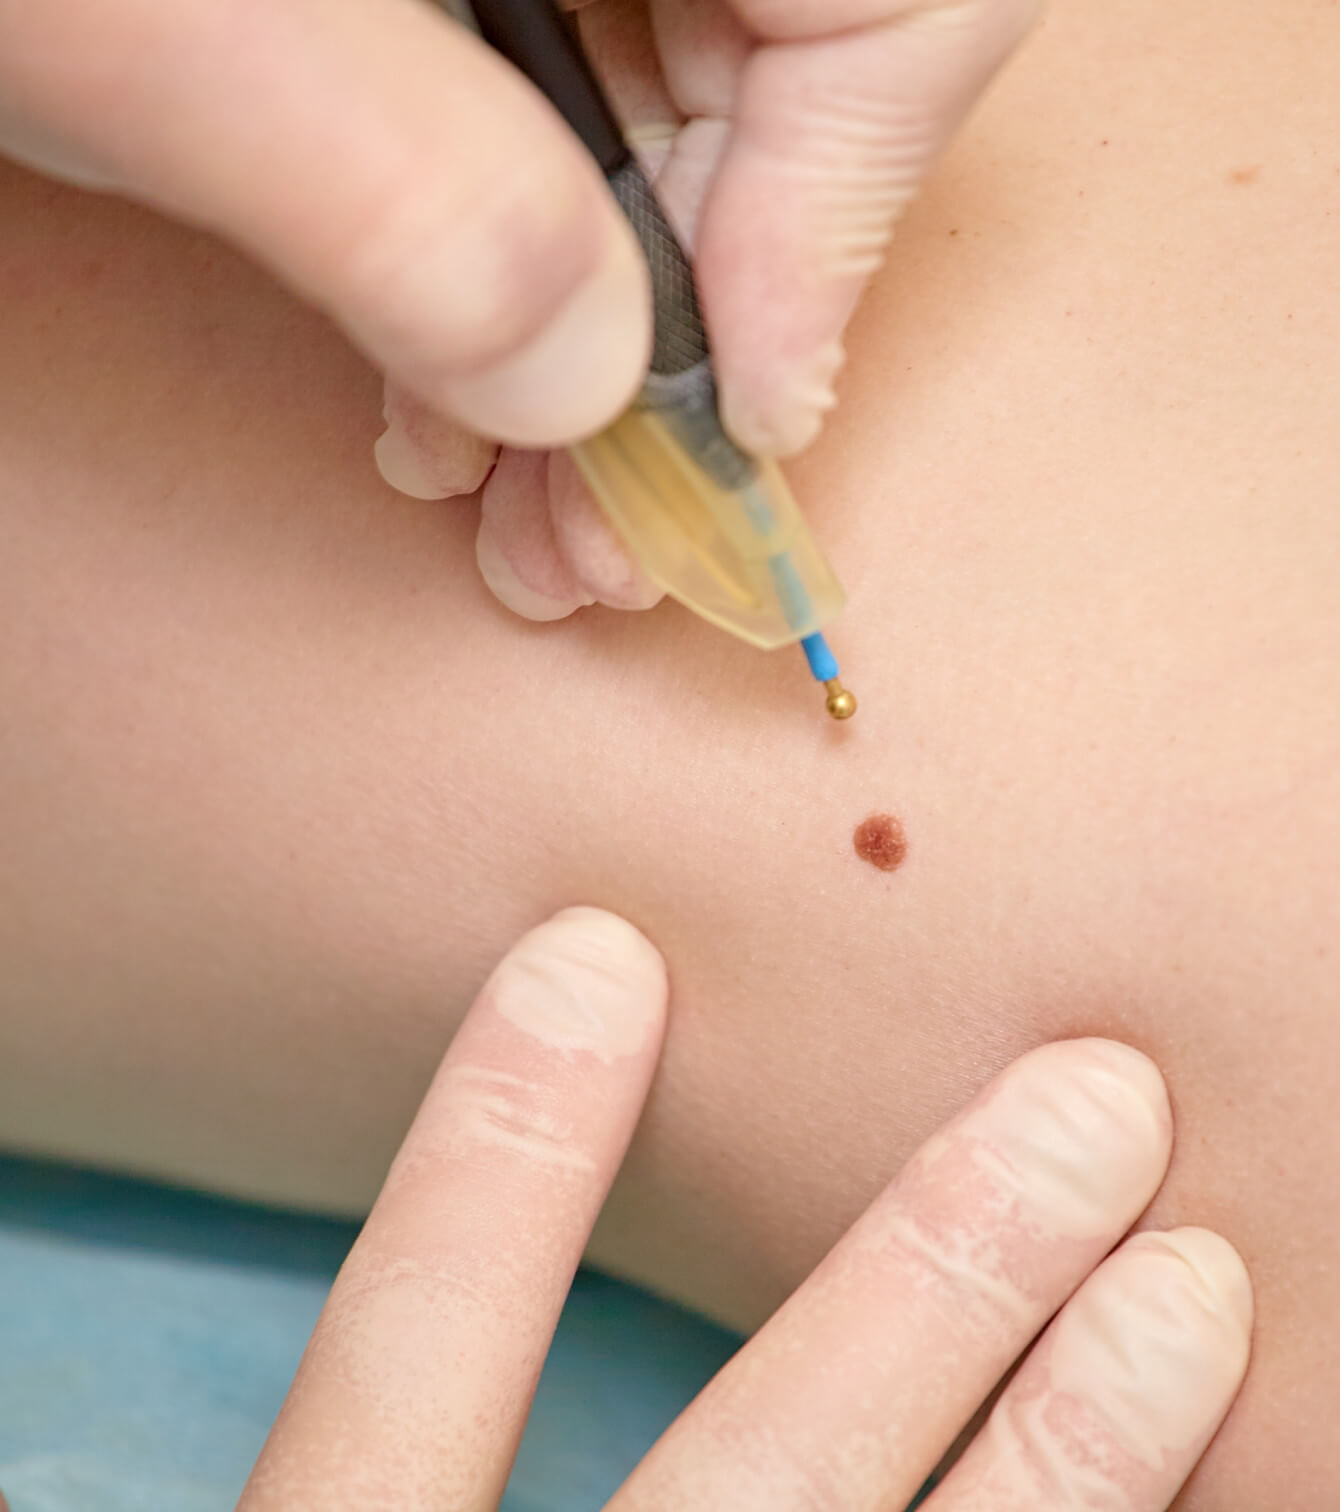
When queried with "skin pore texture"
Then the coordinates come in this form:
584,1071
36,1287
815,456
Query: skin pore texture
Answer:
279,783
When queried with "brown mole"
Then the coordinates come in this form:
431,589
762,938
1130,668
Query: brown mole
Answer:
882,841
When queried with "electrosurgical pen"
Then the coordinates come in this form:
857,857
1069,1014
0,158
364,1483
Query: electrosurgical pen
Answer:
716,528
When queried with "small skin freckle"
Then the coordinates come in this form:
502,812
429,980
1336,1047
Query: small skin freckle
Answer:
1245,176
882,841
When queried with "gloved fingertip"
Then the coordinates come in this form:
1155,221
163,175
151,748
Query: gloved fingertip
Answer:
634,595
428,457
594,554
502,581
578,372
789,415
782,430
404,466
1221,1281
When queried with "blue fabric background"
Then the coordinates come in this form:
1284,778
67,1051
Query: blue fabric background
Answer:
147,1338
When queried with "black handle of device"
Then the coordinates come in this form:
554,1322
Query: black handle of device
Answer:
535,36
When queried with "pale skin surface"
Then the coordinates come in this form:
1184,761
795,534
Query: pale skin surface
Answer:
269,782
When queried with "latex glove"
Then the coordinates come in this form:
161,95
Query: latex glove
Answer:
791,133
387,165
379,158
415,1387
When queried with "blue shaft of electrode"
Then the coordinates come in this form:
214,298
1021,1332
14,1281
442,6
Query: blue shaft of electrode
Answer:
822,661
795,601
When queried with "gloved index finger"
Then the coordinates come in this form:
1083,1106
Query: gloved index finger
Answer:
416,1383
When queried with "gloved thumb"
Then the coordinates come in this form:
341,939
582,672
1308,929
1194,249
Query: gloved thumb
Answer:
378,158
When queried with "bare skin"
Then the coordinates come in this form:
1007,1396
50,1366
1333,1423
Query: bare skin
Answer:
279,782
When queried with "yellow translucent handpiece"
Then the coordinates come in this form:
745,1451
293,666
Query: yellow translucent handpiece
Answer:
737,553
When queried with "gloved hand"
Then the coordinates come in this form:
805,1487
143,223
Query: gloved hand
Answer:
416,1384
785,137
389,167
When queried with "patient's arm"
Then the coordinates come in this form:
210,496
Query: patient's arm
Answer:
278,782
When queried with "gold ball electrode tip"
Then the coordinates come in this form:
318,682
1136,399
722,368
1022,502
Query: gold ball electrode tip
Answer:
841,702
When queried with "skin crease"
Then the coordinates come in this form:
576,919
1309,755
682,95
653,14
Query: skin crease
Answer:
270,780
